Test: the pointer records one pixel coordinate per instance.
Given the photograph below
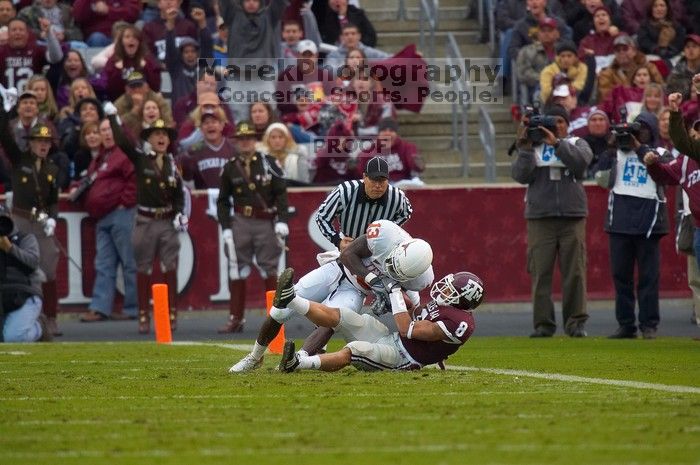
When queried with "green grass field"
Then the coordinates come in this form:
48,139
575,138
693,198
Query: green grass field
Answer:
139,403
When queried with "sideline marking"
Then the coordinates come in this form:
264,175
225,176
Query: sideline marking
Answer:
581,379
528,374
14,352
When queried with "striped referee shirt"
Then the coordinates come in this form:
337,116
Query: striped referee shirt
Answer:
355,211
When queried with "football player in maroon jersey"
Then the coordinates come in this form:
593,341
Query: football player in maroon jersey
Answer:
426,335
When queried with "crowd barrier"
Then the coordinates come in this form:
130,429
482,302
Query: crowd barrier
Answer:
480,229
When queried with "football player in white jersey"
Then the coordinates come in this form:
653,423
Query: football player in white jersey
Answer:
425,336
383,257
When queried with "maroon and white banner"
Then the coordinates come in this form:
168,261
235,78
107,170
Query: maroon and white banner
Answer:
480,229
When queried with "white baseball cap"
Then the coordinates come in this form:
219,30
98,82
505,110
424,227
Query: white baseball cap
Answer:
307,46
561,91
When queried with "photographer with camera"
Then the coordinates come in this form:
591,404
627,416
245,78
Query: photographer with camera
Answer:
637,218
20,285
553,166
35,201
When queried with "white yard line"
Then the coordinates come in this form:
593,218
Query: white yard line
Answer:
581,379
241,347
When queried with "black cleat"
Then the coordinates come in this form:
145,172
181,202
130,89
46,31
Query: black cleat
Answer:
285,289
290,358
624,333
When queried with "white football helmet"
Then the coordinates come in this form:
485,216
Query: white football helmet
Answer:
409,260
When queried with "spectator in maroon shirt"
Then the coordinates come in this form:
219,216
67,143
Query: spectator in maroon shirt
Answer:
203,162
111,200
96,17
130,54
405,163
154,31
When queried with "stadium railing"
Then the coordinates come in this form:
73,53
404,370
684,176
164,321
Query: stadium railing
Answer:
487,136
428,13
460,139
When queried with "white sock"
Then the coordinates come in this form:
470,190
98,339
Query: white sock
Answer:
309,363
258,351
303,353
299,305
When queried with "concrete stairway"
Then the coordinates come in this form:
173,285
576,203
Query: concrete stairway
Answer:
431,129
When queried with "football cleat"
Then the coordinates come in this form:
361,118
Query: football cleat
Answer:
290,359
285,289
246,364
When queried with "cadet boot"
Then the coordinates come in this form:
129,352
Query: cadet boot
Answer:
171,281
235,322
143,284
49,306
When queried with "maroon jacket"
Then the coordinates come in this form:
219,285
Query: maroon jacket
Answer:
116,77
114,186
403,159
600,43
682,171
154,34
619,96
89,21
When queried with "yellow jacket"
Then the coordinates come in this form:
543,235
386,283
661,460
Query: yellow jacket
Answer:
577,75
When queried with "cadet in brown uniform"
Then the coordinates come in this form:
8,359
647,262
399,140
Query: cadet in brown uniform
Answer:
35,204
159,211
253,184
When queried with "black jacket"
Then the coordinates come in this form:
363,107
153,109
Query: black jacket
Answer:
20,276
329,25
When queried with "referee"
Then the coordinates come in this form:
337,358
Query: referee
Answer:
357,203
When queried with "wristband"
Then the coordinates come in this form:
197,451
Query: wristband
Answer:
410,330
370,277
398,305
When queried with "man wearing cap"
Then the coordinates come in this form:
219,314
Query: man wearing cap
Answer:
533,58
155,32
35,202
351,38
682,74
203,163
258,228
597,137
621,71
402,158
138,91
318,81
555,209
525,28
20,285
160,211
566,63
565,96
182,53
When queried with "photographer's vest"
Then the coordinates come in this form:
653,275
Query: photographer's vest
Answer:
545,156
632,179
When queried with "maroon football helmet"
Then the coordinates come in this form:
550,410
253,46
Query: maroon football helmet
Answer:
461,290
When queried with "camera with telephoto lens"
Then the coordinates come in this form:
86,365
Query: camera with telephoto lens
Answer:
535,134
623,132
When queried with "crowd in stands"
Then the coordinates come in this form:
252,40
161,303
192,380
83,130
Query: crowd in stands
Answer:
67,58
610,54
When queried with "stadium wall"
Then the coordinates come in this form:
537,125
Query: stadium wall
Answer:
479,228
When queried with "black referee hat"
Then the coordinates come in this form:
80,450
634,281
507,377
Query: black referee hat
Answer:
377,167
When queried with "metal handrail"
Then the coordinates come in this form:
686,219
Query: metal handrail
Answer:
460,140
428,12
487,136
492,26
